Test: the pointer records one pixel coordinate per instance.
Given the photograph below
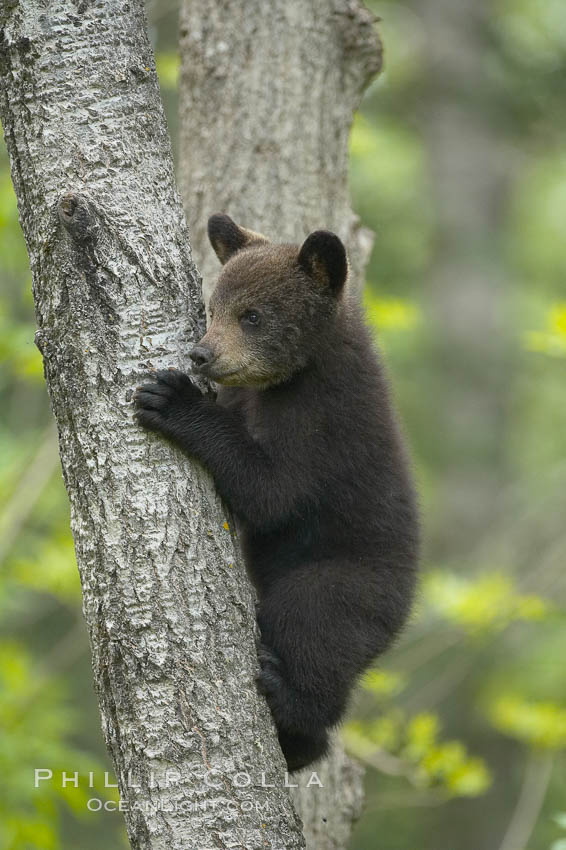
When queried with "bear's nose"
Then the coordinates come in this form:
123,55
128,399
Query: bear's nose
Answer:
201,356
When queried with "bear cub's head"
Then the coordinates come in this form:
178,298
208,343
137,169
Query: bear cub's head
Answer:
271,306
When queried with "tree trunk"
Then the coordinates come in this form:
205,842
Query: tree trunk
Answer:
268,91
167,604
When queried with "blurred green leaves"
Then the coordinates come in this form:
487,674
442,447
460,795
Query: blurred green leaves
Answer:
390,314
552,339
50,567
490,602
411,747
388,177
36,719
560,820
391,738
383,683
536,238
495,616
168,66
18,353
534,29
538,724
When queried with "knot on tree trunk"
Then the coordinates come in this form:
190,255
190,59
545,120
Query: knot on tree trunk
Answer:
78,217
360,38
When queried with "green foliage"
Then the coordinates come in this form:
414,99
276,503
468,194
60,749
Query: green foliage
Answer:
168,66
483,657
388,177
490,602
539,724
35,723
383,683
552,339
58,575
560,820
390,314
534,29
18,354
449,765
410,746
539,201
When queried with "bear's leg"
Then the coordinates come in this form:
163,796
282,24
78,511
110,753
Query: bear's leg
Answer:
292,711
302,750
321,624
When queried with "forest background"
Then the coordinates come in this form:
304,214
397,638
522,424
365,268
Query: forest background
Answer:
458,164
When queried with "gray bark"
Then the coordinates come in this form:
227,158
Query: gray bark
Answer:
329,815
268,92
168,607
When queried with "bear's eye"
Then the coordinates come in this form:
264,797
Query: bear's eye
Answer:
250,317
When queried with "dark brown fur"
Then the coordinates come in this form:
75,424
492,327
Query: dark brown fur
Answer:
304,448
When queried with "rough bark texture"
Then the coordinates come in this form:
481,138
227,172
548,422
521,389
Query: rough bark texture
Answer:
168,608
268,91
329,815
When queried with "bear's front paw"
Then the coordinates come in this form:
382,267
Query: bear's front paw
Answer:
166,404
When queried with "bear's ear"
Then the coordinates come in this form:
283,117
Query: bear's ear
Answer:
323,257
226,237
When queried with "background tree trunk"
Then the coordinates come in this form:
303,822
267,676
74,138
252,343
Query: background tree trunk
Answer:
168,607
268,91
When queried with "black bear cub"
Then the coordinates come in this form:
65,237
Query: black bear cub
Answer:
304,448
